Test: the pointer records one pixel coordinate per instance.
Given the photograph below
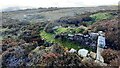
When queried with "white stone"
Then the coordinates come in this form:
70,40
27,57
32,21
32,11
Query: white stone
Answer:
79,34
83,52
72,50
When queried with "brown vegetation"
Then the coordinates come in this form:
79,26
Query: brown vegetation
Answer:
111,57
111,29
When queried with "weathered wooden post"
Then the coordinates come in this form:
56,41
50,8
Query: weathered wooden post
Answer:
100,45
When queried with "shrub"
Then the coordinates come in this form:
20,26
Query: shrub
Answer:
109,55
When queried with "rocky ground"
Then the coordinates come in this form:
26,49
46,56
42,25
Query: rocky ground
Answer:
55,36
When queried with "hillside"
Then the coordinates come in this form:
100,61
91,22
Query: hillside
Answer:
59,37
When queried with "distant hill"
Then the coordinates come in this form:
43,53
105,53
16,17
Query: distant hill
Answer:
14,8
11,9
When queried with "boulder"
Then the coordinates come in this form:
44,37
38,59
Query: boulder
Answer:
83,52
92,55
72,50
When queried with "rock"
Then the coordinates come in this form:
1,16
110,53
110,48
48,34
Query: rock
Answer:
100,58
73,50
83,52
66,49
36,49
92,55
42,47
87,61
94,35
101,33
100,63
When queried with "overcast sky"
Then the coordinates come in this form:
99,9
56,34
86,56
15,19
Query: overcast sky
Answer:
55,3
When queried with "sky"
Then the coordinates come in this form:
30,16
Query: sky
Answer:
55,3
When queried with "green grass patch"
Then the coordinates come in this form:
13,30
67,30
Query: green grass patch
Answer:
50,38
70,44
68,30
47,36
98,17
61,30
78,30
101,16
66,43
